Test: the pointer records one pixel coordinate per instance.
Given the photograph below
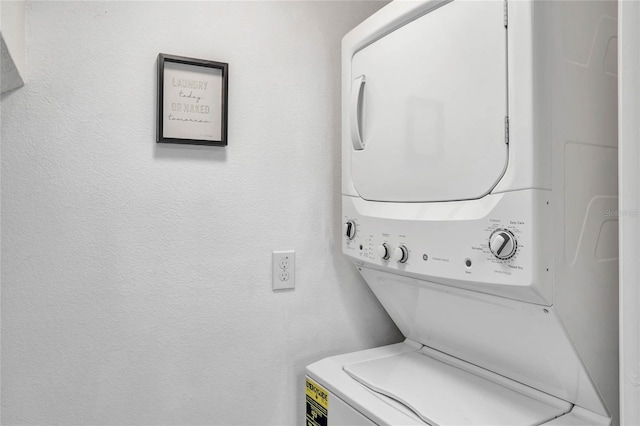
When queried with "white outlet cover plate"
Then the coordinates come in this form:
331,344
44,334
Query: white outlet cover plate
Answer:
283,269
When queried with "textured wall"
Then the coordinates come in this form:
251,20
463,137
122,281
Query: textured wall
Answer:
136,278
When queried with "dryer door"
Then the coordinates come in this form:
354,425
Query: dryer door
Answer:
428,107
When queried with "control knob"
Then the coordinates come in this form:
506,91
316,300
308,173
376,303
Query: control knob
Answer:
401,254
350,229
384,251
502,244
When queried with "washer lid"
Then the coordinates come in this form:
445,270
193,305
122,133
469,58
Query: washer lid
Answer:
428,107
443,394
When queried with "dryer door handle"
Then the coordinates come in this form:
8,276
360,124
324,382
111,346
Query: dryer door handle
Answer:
355,114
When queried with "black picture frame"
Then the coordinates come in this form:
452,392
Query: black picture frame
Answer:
188,103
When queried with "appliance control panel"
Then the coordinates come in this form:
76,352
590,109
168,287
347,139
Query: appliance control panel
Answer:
493,245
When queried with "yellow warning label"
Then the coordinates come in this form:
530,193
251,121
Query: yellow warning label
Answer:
317,404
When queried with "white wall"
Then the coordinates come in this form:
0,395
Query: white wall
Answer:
629,177
136,283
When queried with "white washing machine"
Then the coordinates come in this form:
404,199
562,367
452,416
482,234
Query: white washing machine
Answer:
479,182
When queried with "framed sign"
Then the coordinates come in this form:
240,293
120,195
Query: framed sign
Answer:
192,101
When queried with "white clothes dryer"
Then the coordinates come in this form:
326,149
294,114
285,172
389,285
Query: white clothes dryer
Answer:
479,185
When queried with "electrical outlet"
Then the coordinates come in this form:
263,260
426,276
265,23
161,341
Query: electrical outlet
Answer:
284,262
283,269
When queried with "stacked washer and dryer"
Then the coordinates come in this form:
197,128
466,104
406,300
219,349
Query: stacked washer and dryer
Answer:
479,182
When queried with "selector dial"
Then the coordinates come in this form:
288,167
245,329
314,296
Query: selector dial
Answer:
401,254
350,229
384,251
502,244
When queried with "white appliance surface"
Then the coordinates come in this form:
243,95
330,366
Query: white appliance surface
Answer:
466,394
502,255
443,394
379,409
342,414
448,243
431,114
519,340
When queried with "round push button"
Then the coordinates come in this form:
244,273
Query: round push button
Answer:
401,254
384,251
